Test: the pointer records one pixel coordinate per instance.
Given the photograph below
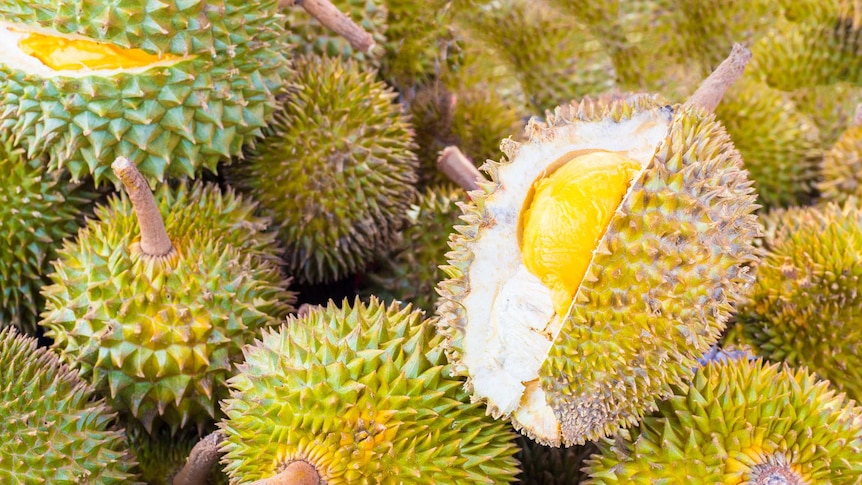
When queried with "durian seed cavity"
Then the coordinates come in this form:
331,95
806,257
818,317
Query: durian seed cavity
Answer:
566,215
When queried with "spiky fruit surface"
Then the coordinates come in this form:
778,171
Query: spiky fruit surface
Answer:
361,392
545,465
52,426
171,116
804,309
842,168
741,422
310,37
161,456
160,336
336,170
37,210
656,292
411,272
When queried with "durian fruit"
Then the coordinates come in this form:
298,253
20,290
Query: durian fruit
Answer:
310,37
172,86
841,168
37,210
336,170
804,308
830,107
161,456
54,431
599,263
546,465
359,395
156,319
741,422
411,272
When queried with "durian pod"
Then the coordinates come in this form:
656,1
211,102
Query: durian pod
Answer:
54,430
842,166
362,394
573,326
158,332
310,37
740,422
173,86
805,306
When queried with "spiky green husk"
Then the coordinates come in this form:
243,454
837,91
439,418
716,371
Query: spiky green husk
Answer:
545,465
361,393
160,336
411,272
736,421
52,426
37,210
842,168
310,37
804,306
161,456
336,170
170,120
779,144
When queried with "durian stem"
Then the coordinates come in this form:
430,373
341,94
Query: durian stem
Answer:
154,239
459,168
203,456
328,14
712,89
297,473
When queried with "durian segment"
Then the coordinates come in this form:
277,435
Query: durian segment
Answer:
740,422
159,337
53,427
223,64
362,393
842,168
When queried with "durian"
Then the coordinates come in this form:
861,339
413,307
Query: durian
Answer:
53,427
804,307
575,328
172,86
741,422
842,165
359,395
157,320
37,210
336,170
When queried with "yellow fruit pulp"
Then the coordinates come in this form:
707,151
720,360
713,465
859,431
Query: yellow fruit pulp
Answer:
60,53
568,215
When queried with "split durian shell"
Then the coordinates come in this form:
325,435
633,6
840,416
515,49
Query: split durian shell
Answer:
655,297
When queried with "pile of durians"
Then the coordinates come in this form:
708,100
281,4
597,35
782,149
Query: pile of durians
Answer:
430,242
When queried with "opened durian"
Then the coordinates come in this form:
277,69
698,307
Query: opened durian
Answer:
157,320
741,422
599,263
172,86
359,395
54,431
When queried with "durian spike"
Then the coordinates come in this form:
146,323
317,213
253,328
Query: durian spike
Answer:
154,238
459,168
712,89
297,473
203,456
328,14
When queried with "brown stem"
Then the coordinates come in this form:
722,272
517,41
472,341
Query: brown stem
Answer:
712,89
154,239
328,14
203,456
459,168
297,473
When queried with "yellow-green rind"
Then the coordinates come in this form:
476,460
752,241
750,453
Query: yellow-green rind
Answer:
735,421
362,393
54,429
841,169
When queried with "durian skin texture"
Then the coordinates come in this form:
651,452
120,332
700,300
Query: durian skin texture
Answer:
362,393
842,168
336,170
159,337
37,210
169,120
52,425
735,418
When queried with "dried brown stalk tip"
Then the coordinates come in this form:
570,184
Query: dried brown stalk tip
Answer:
333,19
154,238
459,168
297,473
712,89
202,458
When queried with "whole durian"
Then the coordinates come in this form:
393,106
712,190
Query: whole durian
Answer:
599,263
157,320
52,425
359,395
336,170
173,86
37,210
804,308
741,422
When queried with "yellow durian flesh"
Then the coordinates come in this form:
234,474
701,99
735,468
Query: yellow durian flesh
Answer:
61,53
